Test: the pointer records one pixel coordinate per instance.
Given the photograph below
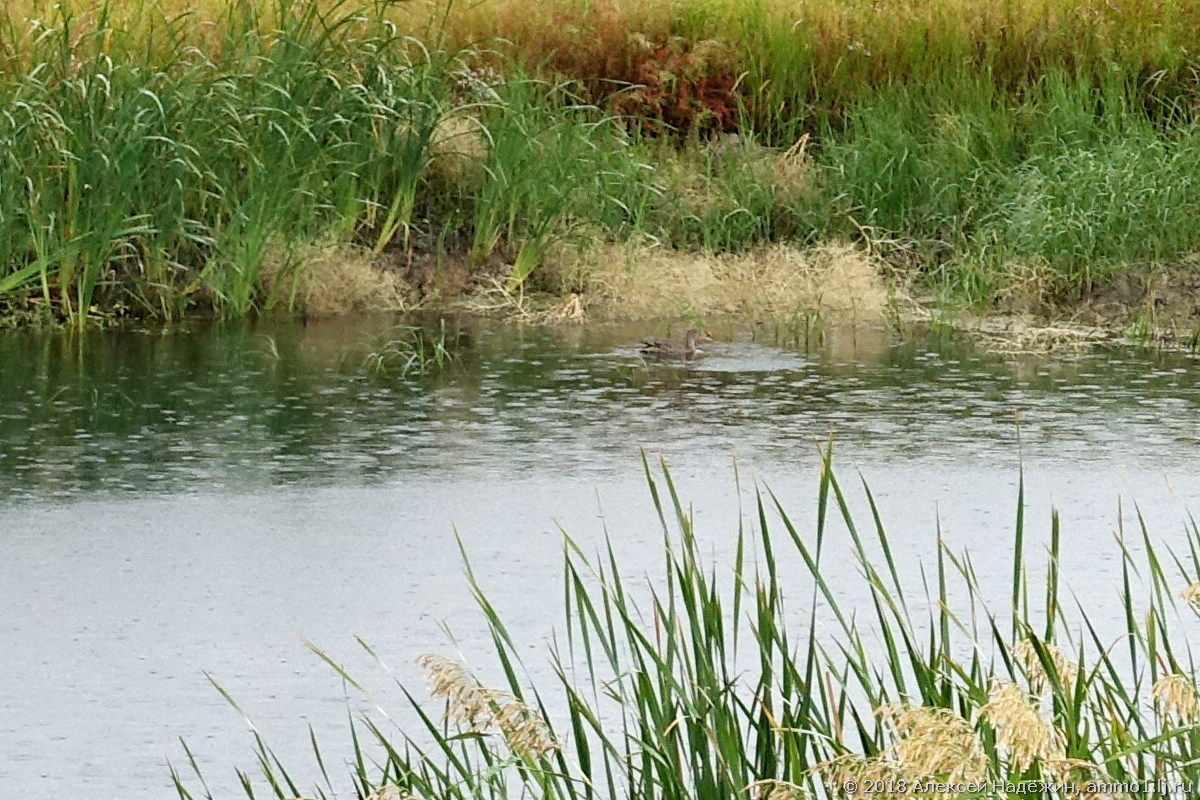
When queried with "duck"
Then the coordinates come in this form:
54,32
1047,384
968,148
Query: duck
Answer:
668,351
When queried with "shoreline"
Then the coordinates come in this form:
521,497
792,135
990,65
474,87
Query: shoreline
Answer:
823,285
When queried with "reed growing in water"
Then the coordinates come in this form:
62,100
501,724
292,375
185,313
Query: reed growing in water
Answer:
762,683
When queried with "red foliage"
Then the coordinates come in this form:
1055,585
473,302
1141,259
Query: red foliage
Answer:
685,91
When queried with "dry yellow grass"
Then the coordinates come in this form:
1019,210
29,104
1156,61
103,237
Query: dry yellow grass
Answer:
334,279
838,282
601,37
458,150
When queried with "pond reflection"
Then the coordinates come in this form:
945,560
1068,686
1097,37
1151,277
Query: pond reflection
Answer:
244,406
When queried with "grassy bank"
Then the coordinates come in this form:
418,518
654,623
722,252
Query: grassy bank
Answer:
761,683
161,158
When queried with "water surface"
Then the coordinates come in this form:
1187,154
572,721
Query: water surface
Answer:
206,499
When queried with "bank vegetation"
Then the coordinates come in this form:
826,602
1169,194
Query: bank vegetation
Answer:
165,158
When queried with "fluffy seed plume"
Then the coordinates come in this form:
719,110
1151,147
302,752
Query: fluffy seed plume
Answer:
1191,596
479,708
1177,700
928,744
1066,670
1019,727
933,743
467,703
524,729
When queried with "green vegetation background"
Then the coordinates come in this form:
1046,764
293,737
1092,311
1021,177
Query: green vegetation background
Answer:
154,162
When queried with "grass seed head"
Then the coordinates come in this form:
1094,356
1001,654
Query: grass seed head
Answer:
1191,596
479,708
1067,671
524,729
467,703
1019,727
934,743
1176,696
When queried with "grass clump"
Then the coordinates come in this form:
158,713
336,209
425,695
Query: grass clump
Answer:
411,350
767,684
836,281
330,279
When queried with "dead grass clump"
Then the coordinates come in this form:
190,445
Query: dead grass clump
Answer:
1025,287
458,150
333,279
1021,335
836,281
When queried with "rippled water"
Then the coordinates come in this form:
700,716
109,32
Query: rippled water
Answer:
206,499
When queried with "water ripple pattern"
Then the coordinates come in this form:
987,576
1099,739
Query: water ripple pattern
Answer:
246,409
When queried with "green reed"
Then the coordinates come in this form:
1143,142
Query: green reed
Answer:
756,680
174,176
1077,179
552,163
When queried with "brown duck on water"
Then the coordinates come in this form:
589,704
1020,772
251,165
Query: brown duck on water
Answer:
670,351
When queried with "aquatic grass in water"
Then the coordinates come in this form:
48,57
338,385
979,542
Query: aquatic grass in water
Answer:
413,350
764,684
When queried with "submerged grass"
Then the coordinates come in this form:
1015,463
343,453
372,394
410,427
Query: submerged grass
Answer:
763,683
411,350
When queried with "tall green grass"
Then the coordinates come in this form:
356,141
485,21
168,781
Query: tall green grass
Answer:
1076,178
156,176
167,178
552,163
757,679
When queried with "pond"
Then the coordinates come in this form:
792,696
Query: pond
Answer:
208,499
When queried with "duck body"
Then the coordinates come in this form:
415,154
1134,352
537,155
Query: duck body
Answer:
667,351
